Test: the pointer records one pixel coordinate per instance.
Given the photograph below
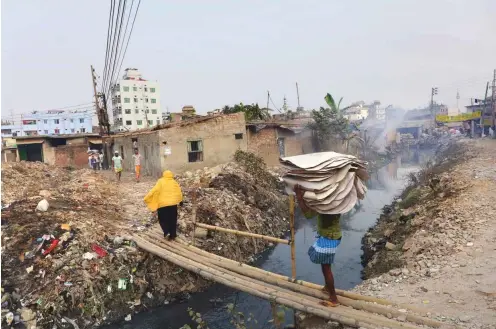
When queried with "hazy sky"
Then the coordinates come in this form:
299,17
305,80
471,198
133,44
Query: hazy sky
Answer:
212,53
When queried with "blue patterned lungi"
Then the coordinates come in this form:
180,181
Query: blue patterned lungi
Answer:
323,250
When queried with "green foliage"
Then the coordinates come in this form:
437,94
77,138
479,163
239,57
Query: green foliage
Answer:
239,320
197,318
255,166
332,104
252,112
327,124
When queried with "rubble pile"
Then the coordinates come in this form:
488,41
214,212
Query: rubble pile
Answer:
63,255
426,223
230,197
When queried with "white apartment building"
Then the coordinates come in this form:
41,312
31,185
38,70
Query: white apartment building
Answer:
135,102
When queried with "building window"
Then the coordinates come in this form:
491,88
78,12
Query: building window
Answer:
56,131
135,100
128,111
154,111
147,111
146,100
152,90
127,100
135,88
128,123
150,122
139,122
146,89
125,88
72,130
238,136
56,121
72,120
195,151
45,132
45,121
154,100
81,120
158,122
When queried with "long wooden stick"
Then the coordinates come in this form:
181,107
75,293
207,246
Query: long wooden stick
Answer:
241,233
193,214
289,299
359,305
292,228
340,292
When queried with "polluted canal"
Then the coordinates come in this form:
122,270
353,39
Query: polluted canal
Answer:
212,304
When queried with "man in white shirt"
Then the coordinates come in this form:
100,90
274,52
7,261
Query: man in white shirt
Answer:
137,164
117,164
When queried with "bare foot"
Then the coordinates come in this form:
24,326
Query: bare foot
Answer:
329,303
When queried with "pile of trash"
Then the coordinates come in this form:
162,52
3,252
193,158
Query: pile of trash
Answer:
332,182
230,197
64,256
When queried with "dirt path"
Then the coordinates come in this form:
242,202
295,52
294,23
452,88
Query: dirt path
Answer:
461,285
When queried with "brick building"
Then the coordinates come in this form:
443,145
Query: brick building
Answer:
273,140
182,146
68,150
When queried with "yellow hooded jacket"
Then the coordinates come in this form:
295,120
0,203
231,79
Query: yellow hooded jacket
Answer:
166,192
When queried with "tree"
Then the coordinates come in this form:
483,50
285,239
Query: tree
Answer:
252,112
327,124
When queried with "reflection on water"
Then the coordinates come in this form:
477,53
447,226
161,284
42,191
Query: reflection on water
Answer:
383,186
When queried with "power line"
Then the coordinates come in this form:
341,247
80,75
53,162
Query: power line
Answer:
109,40
117,43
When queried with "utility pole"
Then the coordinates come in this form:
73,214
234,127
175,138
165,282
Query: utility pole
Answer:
433,92
268,99
97,104
298,95
457,98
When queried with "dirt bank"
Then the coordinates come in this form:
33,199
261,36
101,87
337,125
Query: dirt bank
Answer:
436,245
93,276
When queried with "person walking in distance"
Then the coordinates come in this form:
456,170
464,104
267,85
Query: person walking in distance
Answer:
324,249
164,198
100,156
117,164
94,162
137,164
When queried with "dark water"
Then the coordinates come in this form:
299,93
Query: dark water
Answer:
383,187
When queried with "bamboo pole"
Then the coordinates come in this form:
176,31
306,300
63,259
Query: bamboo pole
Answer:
358,305
360,319
241,233
340,292
292,228
193,214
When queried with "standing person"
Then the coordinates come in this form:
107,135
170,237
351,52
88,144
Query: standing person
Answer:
94,162
137,164
164,198
100,157
324,249
117,164
97,158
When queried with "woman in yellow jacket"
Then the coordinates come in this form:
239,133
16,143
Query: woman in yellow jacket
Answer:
164,198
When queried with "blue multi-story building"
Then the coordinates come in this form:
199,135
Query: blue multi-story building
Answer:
54,122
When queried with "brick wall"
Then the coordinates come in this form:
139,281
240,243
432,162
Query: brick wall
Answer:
71,155
217,136
264,144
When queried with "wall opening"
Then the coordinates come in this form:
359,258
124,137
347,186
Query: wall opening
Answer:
30,152
238,136
195,151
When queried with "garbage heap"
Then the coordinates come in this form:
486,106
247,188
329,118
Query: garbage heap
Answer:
241,195
332,182
64,258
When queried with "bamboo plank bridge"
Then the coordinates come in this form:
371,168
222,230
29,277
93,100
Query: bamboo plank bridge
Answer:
355,310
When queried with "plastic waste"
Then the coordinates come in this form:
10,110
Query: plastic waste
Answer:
89,255
122,284
65,227
128,317
52,246
42,205
99,250
30,269
9,318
